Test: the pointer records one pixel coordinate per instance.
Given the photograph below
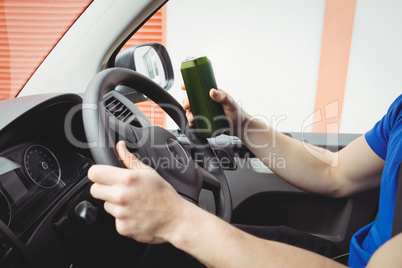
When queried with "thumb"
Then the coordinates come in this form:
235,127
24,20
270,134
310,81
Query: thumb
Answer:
129,160
219,96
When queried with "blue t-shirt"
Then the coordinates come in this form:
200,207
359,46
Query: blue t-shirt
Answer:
385,139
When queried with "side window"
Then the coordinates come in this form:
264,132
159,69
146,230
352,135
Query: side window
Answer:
154,30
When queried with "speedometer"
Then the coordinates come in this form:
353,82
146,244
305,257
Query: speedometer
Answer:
42,166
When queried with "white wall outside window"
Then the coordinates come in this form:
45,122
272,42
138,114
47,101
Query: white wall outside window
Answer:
266,54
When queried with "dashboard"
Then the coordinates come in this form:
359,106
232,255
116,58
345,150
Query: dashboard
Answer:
41,163
32,177
49,219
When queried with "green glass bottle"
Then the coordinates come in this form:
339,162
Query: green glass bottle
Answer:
199,78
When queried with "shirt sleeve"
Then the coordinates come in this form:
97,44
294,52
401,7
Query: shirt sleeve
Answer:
377,137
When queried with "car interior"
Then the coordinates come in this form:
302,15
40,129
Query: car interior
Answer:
48,142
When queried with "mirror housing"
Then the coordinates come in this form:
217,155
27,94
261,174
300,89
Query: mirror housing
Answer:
151,60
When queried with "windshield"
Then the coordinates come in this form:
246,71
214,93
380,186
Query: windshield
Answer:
29,30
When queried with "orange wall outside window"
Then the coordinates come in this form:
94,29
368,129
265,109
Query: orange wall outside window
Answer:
335,49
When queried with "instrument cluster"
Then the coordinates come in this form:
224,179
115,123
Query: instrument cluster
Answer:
32,177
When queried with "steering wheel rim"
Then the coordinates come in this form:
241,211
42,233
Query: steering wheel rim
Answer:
102,145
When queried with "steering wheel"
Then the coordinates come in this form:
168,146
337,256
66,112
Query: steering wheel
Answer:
153,145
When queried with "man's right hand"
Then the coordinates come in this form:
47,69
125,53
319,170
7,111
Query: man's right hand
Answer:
235,114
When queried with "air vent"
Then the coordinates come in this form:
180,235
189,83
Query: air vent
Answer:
118,109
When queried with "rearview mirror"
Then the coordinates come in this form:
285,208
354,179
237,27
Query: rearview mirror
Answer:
151,60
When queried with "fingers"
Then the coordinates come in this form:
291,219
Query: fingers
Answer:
103,192
186,107
105,178
190,118
115,210
186,104
104,174
111,182
129,160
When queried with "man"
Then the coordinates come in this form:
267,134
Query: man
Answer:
149,210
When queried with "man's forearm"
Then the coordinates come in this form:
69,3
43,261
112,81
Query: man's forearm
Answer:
298,163
219,244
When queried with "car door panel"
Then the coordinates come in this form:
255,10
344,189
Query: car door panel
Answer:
262,198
